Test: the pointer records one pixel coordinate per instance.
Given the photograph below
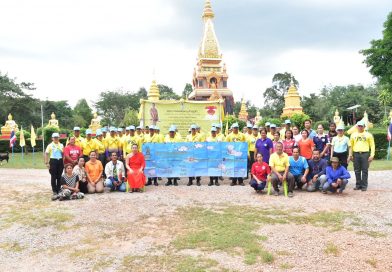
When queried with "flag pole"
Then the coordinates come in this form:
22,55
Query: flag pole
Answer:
22,153
42,125
33,158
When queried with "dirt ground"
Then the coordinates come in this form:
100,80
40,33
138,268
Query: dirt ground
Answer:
141,231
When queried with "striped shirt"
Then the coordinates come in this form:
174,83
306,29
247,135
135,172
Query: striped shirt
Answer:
69,181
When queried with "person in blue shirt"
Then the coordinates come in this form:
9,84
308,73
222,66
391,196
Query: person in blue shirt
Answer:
337,177
316,176
308,127
299,168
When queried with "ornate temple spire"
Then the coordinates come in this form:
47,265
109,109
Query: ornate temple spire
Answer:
209,47
153,93
243,114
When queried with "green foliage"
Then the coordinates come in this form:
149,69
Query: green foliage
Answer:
187,90
130,118
274,95
298,120
82,113
25,133
63,111
379,56
48,131
231,120
380,140
324,123
167,93
278,122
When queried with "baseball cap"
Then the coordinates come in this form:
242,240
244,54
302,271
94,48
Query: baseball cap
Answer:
99,133
287,122
361,123
55,135
255,127
151,127
340,127
235,125
76,128
193,126
89,131
131,127
272,126
113,129
267,124
249,125
172,129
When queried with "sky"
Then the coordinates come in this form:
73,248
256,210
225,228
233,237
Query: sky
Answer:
76,49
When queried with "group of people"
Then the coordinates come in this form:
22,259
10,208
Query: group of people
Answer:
307,159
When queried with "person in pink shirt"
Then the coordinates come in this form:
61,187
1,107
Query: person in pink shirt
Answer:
72,152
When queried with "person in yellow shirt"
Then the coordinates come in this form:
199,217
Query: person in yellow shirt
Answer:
193,137
131,140
78,139
212,139
271,132
172,138
236,136
88,145
279,163
100,145
161,138
112,144
126,131
152,138
251,139
202,135
140,133
362,151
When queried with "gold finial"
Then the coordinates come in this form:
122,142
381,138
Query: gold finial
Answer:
10,116
95,115
243,114
208,13
293,88
153,94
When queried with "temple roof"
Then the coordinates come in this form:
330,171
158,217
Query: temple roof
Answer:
209,47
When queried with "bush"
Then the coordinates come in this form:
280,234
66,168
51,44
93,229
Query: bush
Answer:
298,120
276,121
48,131
380,140
25,132
324,123
231,120
5,146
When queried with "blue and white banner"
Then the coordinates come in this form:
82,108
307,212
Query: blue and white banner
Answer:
196,159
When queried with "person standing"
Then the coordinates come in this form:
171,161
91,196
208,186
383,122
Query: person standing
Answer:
279,163
236,136
264,145
88,145
112,144
340,146
72,152
362,151
55,164
192,138
287,127
321,142
213,138
100,147
78,139
172,138
289,143
308,127
251,139
306,145
152,138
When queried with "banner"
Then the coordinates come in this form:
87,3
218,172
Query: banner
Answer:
196,159
180,113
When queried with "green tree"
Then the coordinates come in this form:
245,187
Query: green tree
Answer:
82,113
167,93
187,90
130,118
274,95
379,56
385,99
63,111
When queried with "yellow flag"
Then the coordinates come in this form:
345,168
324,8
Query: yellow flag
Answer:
22,141
32,137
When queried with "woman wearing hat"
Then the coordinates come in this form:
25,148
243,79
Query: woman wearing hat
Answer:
339,146
54,162
337,177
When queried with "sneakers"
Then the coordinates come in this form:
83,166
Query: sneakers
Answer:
276,193
175,182
149,183
55,196
357,188
168,183
233,183
198,183
290,194
190,183
210,183
221,179
241,183
217,183
364,189
324,192
156,183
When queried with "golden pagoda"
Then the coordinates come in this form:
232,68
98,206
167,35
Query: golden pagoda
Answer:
10,125
243,114
153,93
292,101
210,75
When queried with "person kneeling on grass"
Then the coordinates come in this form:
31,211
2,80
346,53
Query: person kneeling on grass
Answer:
114,171
337,177
260,170
94,171
70,185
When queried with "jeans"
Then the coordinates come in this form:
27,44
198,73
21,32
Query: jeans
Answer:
318,185
361,167
56,168
110,184
257,186
329,187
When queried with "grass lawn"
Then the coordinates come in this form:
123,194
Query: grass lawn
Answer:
38,162
28,161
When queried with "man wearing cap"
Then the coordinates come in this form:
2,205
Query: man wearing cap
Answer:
152,138
236,136
272,132
131,140
193,137
340,146
139,133
112,144
219,133
202,135
267,127
251,139
362,151
100,146
54,162
172,138
212,139
337,177
287,126
78,139
161,138
88,145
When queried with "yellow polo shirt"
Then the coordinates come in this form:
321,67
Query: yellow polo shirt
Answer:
279,162
176,139
100,146
129,141
363,142
88,146
113,143
251,139
193,138
239,137
152,139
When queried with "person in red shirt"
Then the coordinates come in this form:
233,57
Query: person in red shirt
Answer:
72,152
260,170
288,143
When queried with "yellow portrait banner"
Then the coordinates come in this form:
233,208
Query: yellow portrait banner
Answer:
182,114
